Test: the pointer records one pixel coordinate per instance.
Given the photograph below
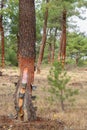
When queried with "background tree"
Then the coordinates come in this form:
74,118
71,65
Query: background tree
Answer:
2,35
10,23
76,46
41,53
67,7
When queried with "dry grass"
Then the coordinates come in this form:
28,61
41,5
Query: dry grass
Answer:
75,117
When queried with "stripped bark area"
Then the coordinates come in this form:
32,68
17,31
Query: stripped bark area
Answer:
29,64
23,94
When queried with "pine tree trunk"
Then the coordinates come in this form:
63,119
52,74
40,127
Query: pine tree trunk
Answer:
26,56
41,53
2,38
49,52
53,52
3,52
49,47
62,51
53,46
77,58
61,100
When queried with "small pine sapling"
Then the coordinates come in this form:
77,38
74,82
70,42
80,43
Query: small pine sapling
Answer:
58,80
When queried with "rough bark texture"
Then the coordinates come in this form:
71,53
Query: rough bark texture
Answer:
41,53
27,28
62,51
26,56
2,37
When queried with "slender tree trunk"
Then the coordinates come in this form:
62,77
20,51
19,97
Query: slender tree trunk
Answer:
62,51
53,46
2,38
26,56
18,42
49,52
77,58
49,48
3,52
41,53
53,52
62,102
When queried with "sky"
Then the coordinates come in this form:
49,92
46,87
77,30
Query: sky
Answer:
80,23
82,26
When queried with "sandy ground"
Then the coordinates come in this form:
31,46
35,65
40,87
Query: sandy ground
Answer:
73,118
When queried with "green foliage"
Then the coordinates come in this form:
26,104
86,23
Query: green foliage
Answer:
10,16
11,58
11,50
58,80
10,24
76,46
55,7
82,63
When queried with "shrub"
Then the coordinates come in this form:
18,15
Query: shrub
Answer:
58,80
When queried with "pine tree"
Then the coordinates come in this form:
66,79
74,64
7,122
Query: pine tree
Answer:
27,38
58,80
41,53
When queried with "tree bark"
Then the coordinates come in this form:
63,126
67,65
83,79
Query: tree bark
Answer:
41,53
77,58
62,50
53,45
61,100
2,38
49,52
26,56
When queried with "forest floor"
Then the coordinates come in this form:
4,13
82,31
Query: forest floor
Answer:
52,117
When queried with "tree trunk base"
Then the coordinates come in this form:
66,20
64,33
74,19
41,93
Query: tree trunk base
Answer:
23,93
28,111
